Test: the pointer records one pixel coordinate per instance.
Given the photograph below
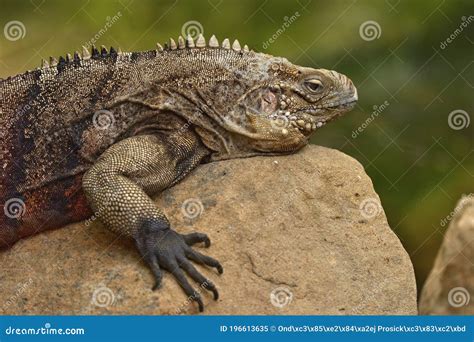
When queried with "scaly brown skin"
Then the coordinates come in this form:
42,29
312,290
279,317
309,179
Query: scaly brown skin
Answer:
101,134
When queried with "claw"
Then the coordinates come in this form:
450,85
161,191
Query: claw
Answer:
174,255
200,304
193,238
156,286
220,269
212,288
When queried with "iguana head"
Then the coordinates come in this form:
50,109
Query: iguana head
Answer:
288,104
265,103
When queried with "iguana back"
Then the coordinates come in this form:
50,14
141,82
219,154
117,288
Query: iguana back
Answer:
105,132
56,120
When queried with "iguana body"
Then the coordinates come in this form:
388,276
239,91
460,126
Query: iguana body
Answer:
101,134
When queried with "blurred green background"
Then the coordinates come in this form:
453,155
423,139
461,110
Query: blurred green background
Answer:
409,79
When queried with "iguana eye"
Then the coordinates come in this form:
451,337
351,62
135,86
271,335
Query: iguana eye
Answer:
314,85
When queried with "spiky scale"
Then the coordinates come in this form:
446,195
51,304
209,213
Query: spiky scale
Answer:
44,63
181,44
103,51
159,48
85,53
113,53
68,57
226,43
53,61
236,45
213,42
94,52
246,48
200,41
61,63
77,57
173,44
190,41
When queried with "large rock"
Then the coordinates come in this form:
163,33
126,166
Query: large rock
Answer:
449,289
300,234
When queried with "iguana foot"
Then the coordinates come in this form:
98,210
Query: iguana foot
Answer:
162,247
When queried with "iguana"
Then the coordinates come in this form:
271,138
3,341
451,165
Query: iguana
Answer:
100,132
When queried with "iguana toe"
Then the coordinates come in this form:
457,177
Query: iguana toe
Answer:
162,247
193,238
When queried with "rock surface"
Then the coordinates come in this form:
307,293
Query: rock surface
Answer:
449,289
299,234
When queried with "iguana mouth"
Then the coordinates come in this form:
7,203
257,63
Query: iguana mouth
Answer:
308,121
334,105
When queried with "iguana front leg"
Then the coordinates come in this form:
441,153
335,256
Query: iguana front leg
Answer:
118,187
